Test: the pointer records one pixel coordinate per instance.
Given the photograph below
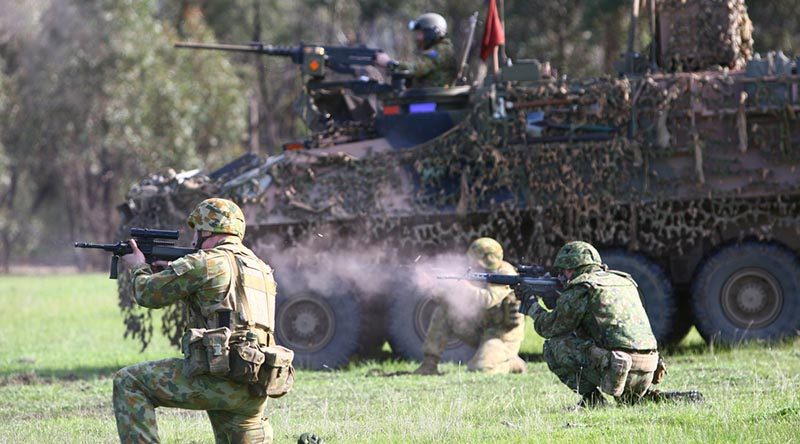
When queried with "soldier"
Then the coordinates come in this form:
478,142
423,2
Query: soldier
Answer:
435,63
224,284
497,332
598,335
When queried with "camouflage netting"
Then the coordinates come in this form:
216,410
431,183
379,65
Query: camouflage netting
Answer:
697,35
708,158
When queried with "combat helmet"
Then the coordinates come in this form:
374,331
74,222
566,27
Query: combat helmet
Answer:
576,254
432,25
487,252
217,215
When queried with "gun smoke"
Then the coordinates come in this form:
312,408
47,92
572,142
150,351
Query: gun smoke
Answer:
364,275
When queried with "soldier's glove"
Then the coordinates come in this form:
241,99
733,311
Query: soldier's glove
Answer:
526,296
310,438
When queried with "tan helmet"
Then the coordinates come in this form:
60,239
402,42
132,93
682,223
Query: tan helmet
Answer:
217,215
487,252
576,254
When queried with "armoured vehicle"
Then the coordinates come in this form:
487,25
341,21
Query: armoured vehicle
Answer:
683,171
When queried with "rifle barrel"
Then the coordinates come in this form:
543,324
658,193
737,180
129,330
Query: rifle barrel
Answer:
97,246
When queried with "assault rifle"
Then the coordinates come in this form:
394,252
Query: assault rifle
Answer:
156,245
313,61
531,280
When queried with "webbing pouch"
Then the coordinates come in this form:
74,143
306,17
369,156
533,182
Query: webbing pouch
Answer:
246,361
217,345
194,352
276,376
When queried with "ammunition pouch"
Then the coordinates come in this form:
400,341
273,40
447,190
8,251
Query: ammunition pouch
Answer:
217,345
276,373
206,351
246,361
194,352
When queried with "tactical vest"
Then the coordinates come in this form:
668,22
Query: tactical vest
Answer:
249,304
616,319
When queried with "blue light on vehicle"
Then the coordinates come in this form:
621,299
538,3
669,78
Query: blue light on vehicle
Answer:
421,108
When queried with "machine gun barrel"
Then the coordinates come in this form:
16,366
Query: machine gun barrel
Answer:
255,47
313,59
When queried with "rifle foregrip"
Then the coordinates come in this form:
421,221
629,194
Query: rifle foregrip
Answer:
113,273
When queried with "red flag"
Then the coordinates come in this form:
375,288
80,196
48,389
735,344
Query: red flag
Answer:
493,33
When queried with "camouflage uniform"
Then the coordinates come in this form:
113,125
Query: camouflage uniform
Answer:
435,66
497,333
598,310
204,282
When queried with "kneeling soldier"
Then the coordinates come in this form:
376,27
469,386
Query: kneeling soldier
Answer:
496,327
229,295
598,337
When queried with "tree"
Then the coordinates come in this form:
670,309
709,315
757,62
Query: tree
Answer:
102,98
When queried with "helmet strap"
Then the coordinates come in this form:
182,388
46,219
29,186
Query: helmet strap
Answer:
202,239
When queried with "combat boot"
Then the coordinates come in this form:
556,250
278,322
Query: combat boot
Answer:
429,366
591,400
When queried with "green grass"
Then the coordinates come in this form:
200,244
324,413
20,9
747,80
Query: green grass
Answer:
61,339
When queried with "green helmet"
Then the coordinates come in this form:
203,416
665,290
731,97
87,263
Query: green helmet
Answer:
576,254
217,216
432,25
487,252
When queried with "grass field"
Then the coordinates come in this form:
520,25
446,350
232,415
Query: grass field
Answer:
61,339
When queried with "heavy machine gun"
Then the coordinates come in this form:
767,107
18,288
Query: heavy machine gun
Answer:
315,60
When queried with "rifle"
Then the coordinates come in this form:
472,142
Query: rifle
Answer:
533,278
152,243
313,59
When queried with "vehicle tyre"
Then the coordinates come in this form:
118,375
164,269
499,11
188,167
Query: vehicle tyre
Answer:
655,289
322,330
409,318
374,328
747,291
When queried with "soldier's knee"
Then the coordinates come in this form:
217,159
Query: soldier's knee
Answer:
122,379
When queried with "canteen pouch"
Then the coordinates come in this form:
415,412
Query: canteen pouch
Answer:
217,345
195,353
276,376
246,361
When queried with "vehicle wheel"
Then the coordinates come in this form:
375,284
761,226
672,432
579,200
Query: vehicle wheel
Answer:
409,317
322,330
655,289
748,291
374,328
